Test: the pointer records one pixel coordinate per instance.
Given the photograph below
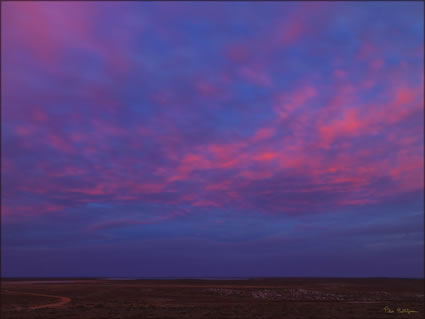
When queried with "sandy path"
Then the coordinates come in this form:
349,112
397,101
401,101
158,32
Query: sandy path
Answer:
61,302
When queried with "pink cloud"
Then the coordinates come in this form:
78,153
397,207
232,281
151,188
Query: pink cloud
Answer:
263,133
59,143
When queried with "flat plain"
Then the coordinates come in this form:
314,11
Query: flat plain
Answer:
192,298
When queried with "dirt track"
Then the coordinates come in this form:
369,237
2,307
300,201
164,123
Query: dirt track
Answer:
62,300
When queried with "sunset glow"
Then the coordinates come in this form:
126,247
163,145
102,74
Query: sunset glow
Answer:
212,139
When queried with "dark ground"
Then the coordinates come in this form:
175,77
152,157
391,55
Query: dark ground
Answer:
255,298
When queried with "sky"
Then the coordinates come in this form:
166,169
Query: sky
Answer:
219,139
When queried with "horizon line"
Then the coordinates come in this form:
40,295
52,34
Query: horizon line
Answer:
203,277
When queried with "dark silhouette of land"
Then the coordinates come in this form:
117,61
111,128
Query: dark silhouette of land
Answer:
196,298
